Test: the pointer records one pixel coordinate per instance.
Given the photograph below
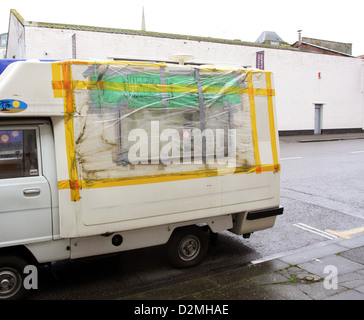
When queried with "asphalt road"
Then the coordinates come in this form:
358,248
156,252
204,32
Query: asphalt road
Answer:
322,190
322,186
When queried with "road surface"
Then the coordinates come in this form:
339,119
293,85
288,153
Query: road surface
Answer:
322,192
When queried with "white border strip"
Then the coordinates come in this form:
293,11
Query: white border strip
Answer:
291,158
316,231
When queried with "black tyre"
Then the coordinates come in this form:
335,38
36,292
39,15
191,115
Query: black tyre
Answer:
12,277
187,246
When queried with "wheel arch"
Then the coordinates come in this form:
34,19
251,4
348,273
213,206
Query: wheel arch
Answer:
194,233
19,251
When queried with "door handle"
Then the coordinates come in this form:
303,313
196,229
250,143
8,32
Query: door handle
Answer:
31,192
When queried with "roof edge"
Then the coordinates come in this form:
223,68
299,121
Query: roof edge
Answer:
144,33
17,15
156,34
326,49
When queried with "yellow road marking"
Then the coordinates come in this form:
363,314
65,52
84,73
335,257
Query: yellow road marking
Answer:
347,233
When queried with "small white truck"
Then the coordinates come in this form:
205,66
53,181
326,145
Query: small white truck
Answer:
98,157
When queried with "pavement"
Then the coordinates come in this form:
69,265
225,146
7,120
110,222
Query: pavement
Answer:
321,137
329,270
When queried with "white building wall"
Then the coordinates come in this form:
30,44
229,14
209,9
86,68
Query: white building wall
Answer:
16,39
47,43
298,87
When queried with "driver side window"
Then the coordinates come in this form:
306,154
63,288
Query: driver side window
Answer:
18,153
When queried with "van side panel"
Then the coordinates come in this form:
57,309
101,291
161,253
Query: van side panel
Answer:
126,168
140,145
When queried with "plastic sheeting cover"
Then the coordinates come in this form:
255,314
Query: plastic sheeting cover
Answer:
139,120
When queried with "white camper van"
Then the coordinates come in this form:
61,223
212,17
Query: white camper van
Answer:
99,157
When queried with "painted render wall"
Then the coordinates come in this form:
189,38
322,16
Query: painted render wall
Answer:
16,39
298,87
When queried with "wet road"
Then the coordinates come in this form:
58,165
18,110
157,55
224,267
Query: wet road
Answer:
322,188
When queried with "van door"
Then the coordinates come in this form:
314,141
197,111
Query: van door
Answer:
25,197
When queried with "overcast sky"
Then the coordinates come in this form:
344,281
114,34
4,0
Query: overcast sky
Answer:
333,20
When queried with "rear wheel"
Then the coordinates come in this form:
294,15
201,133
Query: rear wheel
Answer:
12,277
187,246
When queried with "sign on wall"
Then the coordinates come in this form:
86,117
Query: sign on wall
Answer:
260,60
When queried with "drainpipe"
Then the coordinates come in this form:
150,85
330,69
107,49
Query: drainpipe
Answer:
362,92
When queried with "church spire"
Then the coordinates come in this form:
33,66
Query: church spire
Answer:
143,21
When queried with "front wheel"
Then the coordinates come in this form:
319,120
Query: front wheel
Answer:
187,246
12,277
